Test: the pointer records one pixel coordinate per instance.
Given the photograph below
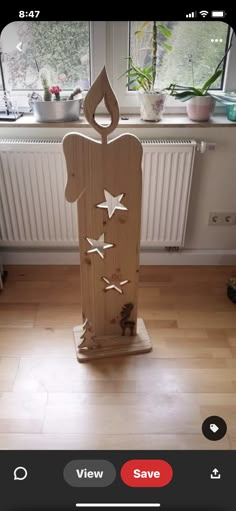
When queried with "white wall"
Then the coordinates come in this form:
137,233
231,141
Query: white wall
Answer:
213,188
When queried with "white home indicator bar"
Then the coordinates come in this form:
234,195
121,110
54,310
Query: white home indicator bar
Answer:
118,505
218,14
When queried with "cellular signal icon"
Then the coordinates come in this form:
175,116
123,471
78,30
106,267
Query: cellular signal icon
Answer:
191,15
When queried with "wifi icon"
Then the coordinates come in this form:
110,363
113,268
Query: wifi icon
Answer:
204,13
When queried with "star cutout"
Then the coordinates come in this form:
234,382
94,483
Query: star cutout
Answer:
114,284
98,245
112,203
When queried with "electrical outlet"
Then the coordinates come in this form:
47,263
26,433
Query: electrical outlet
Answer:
215,218
229,218
223,219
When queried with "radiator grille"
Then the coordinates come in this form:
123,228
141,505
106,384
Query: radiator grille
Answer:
167,176
34,212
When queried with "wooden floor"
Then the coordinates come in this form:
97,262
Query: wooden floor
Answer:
153,401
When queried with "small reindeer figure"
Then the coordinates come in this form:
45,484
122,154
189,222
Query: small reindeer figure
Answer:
125,322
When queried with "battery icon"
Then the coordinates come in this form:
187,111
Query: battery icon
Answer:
218,14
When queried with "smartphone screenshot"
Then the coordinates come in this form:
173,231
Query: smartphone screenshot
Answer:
117,260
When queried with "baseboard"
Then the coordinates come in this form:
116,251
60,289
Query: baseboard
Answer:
190,257
154,257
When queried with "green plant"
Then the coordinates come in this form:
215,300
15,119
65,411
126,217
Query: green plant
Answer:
47,96
144,77
226,98
183,93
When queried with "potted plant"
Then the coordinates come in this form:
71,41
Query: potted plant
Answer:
53,108
143,78
200,103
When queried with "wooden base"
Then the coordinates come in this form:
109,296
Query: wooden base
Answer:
115,346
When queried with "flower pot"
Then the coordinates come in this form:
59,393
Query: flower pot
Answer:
57,111
151,105
200,108
231,112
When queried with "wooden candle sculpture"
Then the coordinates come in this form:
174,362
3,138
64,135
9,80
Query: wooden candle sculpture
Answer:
106,179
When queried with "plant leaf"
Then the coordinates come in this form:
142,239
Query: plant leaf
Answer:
165,31
178,89
224,100
184,96
211,80
168,47
221,100
130,82
147,69
139,33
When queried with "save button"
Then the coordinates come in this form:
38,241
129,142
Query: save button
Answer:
146,473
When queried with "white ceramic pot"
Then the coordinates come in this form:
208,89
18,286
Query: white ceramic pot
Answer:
151,105
57,111
200,108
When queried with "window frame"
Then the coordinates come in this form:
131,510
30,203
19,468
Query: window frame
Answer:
109,44
97,46
128,100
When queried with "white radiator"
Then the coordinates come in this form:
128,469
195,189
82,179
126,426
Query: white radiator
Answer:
34,212
167,177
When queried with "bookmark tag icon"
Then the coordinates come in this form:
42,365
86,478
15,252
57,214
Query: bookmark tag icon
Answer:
214,428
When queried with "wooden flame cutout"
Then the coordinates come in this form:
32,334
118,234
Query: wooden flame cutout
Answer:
101,89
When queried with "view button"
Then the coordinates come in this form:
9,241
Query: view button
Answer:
89,473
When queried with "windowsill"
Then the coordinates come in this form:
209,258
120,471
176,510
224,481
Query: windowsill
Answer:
132,121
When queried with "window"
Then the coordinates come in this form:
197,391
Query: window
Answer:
60,50
73,53
187,52
193,44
